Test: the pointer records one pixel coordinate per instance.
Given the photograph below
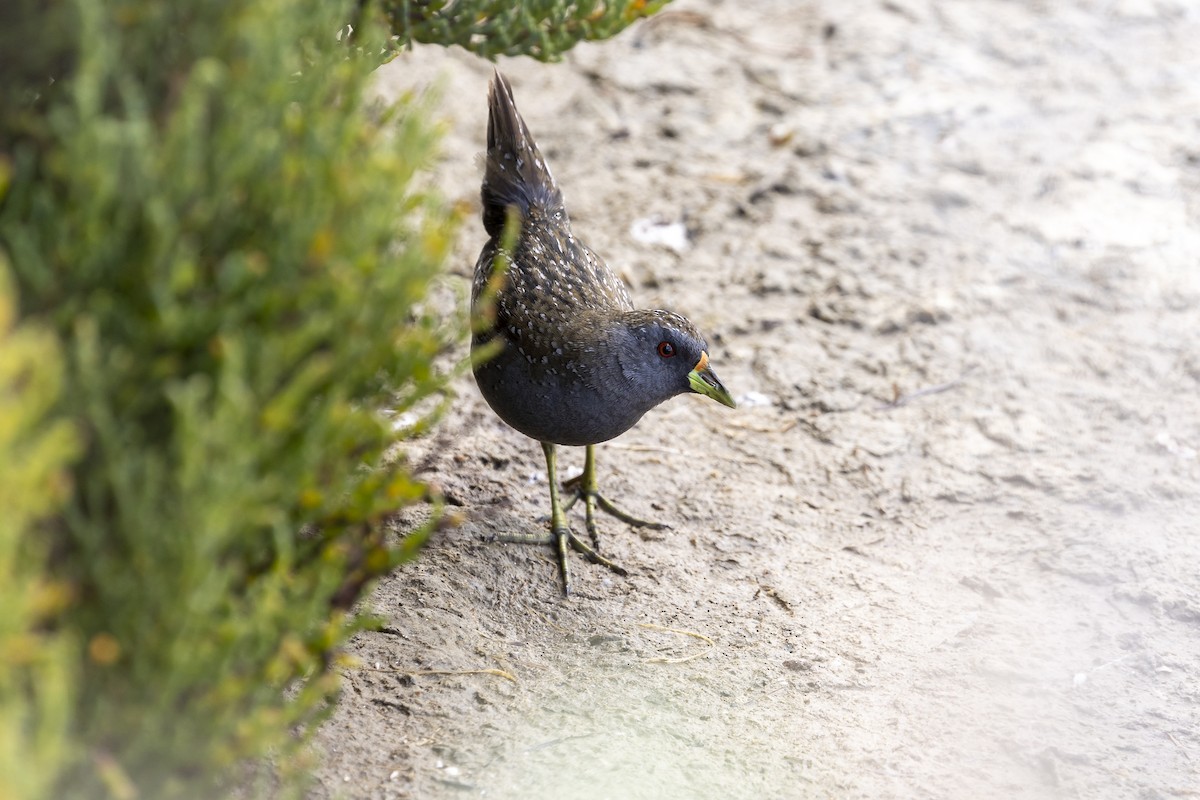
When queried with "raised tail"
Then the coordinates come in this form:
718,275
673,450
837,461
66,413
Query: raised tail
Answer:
515,174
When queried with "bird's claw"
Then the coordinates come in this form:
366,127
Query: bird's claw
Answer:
593,498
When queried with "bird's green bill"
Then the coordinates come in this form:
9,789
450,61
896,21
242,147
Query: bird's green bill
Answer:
706,382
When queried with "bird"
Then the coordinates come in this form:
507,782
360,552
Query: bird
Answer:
558,349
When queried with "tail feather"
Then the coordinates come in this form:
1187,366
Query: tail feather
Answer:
515,172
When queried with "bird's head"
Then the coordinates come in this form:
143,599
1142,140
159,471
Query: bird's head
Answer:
661,354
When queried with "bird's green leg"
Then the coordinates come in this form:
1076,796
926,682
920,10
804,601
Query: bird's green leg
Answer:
559,530
560,533
586,485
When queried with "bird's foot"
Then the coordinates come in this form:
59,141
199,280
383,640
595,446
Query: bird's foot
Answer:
562,538
592,498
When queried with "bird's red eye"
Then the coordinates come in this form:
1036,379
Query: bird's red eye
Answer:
666,349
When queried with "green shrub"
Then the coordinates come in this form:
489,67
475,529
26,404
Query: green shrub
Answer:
36,675
231,250
543,29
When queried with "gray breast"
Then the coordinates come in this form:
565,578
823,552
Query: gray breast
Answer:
556,404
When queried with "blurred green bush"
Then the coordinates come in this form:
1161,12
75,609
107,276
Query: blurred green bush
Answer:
213,255
231,250
36,664
543,29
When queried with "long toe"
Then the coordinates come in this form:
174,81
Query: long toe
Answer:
608,508
522,538
591,555
575,486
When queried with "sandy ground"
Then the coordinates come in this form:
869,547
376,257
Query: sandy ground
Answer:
948,259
